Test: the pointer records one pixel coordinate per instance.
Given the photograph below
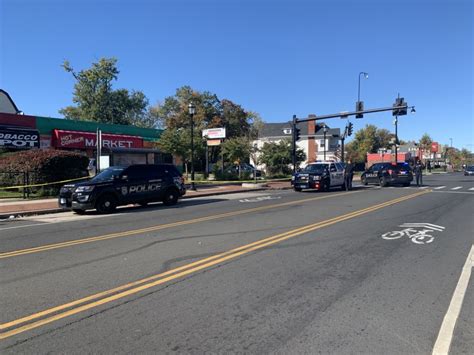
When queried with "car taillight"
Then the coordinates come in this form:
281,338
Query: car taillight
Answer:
390,171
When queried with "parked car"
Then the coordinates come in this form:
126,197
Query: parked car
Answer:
385,174
246,168
469,170
117,185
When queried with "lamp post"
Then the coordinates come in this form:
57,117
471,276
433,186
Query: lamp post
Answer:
325,130
192,111
365,75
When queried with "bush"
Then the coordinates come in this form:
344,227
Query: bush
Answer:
43,166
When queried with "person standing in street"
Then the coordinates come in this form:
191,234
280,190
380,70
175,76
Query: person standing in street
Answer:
418,173
348,175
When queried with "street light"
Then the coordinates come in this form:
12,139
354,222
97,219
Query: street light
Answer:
192,111
365,75
325,130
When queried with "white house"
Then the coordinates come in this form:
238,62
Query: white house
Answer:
311,140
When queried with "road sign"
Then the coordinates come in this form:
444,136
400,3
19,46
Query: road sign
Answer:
213,142
214,133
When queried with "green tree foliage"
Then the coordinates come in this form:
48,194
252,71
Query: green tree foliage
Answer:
368,140
173,115
277,157
237,150
96,100
425,142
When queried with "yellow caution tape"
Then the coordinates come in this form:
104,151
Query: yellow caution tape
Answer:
44,184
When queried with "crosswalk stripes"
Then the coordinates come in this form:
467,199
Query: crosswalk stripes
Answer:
457,188
439,187
471,189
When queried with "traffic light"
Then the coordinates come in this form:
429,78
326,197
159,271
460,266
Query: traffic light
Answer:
400,101
359,107
350,126
297,133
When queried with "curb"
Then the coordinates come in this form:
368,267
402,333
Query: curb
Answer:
60,210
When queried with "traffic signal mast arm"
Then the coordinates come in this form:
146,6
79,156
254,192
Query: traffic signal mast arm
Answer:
346,114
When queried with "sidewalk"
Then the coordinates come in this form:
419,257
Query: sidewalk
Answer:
43,206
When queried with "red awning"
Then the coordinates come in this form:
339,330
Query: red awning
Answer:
87,140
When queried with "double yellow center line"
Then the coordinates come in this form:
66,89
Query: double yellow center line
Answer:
71,243
56,313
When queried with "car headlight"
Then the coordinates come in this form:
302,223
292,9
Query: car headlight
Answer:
84,189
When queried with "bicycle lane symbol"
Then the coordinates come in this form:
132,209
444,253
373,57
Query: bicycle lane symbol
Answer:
418,233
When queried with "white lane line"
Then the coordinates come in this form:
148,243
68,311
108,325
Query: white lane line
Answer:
457,188
445,336
439,187
454,192
471,189
23,226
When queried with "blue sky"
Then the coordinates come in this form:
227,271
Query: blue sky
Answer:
277,58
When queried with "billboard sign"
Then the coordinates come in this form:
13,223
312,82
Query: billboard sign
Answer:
214,133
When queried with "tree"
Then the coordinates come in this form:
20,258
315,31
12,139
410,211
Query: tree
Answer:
97,101
211,112
277,157
237,150
425,142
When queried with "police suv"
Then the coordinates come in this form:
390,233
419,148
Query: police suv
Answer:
118,186
385,174
319,176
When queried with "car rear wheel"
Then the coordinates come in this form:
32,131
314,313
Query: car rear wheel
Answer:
383,182
171,197
297,189
364,181
106,204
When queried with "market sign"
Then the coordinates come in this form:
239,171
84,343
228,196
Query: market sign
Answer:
213,133
18,138
84,140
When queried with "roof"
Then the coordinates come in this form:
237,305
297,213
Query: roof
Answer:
284,130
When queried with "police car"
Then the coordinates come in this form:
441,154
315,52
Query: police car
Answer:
385,174
319,176
118,186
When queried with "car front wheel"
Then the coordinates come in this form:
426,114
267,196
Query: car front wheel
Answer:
171,197
106,204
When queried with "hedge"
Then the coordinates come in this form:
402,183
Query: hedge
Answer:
42,165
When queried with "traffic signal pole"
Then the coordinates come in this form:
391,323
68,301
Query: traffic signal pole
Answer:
293,143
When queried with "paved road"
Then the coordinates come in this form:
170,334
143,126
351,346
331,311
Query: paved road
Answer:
264,272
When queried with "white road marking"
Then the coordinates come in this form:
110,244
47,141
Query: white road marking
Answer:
445,335
471,189
424,187
439,187
454,192
457,188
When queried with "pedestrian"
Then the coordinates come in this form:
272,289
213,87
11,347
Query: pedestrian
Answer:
429,166
348,175
418,173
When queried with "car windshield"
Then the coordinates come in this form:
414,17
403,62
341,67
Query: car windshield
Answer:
470,168
108,174
315,168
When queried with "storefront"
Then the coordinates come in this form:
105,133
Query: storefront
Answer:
123,144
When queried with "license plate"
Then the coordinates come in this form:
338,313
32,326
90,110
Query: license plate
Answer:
403,172
62,201
303,186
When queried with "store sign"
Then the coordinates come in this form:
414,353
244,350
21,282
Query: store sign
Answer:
213,133
434,147
18,138
84,140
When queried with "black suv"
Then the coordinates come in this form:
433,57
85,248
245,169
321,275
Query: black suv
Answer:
117,186
385,174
